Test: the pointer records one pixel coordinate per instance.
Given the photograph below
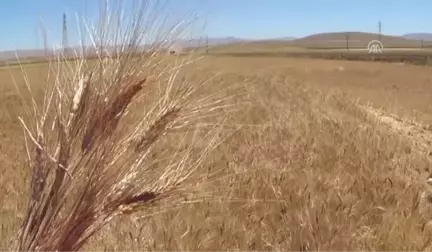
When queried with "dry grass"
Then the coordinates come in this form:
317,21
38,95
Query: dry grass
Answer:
296,161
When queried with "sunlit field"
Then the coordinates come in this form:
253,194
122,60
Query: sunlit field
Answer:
313,155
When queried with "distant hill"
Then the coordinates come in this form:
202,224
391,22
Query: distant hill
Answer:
40,53
283,39
211,41
355,39
419,36
22,54
320,40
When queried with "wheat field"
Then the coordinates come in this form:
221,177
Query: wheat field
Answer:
317,155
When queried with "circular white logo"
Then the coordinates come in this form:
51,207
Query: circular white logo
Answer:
375,47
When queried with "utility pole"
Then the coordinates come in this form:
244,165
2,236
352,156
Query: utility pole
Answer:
83,27
379,31
347,38
206,44
44,38
65,35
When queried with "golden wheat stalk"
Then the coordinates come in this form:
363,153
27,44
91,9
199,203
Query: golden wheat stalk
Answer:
94,147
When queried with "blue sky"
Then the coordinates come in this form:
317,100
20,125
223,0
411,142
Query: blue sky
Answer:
256,19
